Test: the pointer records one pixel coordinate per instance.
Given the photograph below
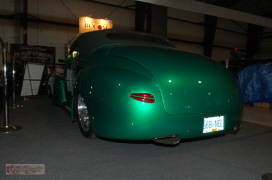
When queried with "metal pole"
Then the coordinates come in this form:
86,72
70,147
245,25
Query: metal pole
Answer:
5,88
6,128
13,85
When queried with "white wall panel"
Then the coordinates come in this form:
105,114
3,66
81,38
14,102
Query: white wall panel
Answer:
7,30
55,11
6,26
182,30
189,47
50,35
232,25
265,51
6,6
229,39
185,31
220,54
122,18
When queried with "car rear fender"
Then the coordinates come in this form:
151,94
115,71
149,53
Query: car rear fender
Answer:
103,87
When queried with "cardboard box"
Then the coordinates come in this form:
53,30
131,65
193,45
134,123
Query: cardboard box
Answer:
263,105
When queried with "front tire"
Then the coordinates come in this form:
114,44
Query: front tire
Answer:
84,121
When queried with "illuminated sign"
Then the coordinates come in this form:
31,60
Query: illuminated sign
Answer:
87,24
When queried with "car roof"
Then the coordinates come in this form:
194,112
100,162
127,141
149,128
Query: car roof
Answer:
91,41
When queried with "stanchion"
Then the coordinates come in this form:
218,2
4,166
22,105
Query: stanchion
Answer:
6,128
14,105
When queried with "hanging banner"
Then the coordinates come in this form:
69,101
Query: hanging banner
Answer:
87,24
37,54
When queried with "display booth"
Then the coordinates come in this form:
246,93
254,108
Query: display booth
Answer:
32,64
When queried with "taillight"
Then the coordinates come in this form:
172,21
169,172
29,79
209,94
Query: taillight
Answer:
143,97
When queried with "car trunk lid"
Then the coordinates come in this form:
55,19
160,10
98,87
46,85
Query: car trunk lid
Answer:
189,83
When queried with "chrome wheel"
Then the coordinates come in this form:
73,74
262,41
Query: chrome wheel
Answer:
83,114
83,117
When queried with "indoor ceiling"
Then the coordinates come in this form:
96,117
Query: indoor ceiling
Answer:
258,8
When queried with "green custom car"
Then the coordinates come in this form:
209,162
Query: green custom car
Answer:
130,85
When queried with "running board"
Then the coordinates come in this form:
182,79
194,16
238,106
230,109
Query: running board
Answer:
169,139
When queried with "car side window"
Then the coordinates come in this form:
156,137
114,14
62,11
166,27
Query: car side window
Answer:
71,69
75,54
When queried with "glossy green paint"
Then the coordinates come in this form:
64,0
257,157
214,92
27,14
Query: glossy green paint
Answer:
189,83
59,96
116,115
187,88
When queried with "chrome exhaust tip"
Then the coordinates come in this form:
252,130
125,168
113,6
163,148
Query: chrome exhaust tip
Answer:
168,139
236,129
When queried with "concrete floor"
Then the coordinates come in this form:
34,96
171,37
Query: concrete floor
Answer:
48,137
258,115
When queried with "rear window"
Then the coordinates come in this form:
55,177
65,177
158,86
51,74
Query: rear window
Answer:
137,37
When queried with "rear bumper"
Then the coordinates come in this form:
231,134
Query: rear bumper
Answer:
163,127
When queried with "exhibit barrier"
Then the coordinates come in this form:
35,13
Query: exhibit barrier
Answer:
6,128
14,105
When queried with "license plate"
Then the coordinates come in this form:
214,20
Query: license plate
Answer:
213,124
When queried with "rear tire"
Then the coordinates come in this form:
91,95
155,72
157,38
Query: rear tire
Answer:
81,112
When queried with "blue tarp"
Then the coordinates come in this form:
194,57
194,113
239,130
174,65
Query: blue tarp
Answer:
256,83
